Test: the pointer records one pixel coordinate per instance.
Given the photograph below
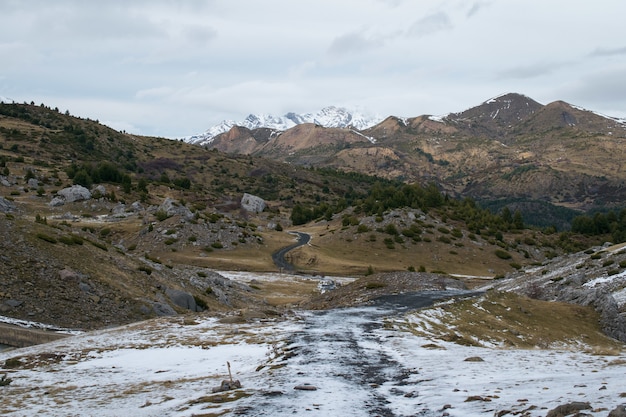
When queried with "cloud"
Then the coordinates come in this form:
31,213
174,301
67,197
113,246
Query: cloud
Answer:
476,7
430,24
530,71
608,51
352,43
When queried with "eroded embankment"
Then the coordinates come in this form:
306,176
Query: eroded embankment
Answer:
20,337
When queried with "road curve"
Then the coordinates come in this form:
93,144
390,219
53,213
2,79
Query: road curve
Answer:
279,256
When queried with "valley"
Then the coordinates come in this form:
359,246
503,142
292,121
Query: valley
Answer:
161,261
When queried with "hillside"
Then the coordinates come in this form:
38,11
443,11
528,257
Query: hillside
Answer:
100,228
510,149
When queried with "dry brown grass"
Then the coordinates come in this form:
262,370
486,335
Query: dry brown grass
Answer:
509,320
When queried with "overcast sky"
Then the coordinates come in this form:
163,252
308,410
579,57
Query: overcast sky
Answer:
175,68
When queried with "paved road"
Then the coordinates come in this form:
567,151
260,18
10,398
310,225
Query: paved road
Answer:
279,256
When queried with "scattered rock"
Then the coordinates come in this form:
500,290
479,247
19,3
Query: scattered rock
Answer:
619,411
477,398
227,385
252,203
71,194
305,387
568,409
182,299
162,309
6,206
171,208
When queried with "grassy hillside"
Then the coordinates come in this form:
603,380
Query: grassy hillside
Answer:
164,214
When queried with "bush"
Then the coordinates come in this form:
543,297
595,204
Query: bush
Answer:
217,245
161,215
502,254
145,269
46,238
200,302
374,285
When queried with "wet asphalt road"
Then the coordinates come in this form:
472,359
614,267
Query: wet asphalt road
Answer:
279,256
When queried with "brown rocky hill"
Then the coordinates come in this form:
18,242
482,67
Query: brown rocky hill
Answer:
509,147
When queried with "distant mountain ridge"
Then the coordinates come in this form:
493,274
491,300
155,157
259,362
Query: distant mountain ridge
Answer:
508,147
330,116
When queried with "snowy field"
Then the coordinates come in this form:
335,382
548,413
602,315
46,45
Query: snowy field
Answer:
348,362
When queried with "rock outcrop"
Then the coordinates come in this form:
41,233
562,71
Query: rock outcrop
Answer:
171,208
70,195
252,203
6,206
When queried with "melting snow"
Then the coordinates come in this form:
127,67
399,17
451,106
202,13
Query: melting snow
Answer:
359,365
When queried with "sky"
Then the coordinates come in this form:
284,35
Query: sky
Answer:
174,68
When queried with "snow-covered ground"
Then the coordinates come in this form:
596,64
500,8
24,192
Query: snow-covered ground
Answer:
356,358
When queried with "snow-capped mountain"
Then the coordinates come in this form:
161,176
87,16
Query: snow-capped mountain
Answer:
330,116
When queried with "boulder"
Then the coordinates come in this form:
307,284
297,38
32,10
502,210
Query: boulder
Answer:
99,190
71,194
182,299
33,183
162,309
6,206
568,409
619,411
252,203
171,208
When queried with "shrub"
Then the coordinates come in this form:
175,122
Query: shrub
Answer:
200,302
46,238
4,381
161,215
444,239
391,229
374,285
12,363
170,241
502,254
145,269
217,245
98,245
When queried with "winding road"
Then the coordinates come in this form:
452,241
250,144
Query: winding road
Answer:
279,256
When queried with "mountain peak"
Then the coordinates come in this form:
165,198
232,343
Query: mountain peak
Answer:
498,112
330,116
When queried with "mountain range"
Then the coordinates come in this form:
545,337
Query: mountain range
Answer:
330,116
509,148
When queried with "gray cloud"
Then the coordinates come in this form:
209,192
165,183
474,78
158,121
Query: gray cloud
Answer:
430,24
608,51
351,43
476,7
175,67
530,71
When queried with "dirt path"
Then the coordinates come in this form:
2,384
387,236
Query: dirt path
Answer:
339,364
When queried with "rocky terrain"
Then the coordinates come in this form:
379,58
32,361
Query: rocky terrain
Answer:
510,149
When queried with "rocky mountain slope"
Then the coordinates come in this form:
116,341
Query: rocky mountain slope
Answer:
100,228
509,148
